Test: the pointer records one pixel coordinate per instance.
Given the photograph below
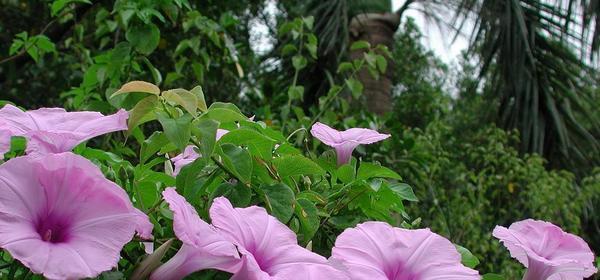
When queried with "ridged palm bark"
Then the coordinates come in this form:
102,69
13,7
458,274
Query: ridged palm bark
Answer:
377,29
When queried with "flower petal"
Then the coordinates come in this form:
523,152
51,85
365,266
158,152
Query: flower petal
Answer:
71,223
546,250
326,134
5,136
143,226
55,130
220,133
188,156
250,270
344,151
267,245
376,250
190,259
44,142
251,228
363,135
203,238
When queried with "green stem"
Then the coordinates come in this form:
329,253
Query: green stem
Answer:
154,207
292,134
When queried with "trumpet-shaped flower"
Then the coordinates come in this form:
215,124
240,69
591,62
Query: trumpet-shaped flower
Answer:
53,130
378,251
344,142
62,218
547,251
203,247
268,249
189,154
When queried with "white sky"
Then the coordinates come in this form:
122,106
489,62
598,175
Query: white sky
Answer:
441,45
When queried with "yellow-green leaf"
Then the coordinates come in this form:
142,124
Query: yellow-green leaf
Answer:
142,112
200,95
138,86
183,98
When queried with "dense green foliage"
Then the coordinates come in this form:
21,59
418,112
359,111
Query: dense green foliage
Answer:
465,162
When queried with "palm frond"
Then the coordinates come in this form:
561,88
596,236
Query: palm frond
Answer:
543,87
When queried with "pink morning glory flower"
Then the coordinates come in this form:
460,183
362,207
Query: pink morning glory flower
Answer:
203,247
344,142
378,251
189,155
62,218
54,130
268,250
547,251
5,136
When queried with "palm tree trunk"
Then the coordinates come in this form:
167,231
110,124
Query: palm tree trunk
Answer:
376,29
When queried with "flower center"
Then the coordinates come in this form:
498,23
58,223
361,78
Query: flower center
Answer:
400,273
53,229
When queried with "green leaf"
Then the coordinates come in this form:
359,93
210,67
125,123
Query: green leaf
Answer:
346,173
307,214
200,97
294,165
44,44
279,201
257,143
18,144
288,49
299,62
144,38
296,92
225,105
187,179
177,130
239,194
183,98
371,59
355,87
156,76
238,161
468,259
285,28
360,45
138,86
148,193
309,21
404,191
345,66
492,276
152,145
142,112
381,63
369,170
59,5
16,45
287,149
224,115
206,130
